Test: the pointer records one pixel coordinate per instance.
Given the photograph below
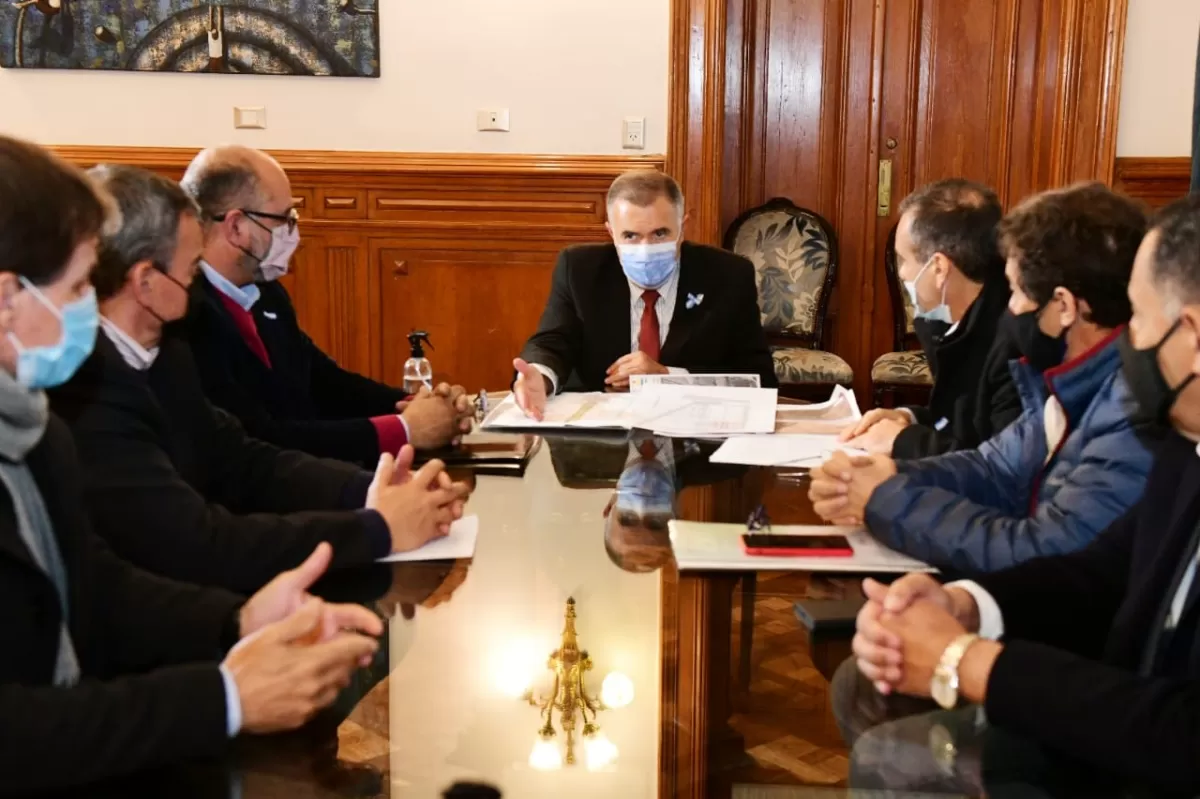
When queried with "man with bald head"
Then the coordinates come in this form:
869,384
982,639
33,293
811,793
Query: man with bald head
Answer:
254,359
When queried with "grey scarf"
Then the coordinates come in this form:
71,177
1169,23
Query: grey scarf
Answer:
23,415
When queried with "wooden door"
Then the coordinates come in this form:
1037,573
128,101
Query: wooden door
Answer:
977,89
804,98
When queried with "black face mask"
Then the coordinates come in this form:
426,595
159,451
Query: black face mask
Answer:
1042,351
1145,378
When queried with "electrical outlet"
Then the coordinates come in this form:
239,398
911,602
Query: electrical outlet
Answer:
495,119
633,133
251,117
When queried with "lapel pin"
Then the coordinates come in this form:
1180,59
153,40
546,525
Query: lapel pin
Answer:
693,300
270,315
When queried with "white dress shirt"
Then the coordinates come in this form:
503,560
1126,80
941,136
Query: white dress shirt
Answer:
664,307
245,296
133,353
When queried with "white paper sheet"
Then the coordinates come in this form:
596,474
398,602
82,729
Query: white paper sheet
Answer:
718,547
638,382
832,416
704,411
781,450
580,410
459,544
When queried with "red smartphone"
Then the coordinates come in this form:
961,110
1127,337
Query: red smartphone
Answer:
797,546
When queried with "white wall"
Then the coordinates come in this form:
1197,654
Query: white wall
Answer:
568,71
1156,85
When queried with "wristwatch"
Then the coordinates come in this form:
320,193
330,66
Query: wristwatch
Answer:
944,685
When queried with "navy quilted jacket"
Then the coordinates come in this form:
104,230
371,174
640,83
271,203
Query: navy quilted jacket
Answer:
1012,499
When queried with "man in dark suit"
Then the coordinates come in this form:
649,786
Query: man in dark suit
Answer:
649,303
254,360
948,258
1100,652
175,485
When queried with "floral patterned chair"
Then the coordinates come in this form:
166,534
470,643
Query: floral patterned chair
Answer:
794,252
905,371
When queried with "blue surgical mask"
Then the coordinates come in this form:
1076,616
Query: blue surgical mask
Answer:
649,265
940,312
46,367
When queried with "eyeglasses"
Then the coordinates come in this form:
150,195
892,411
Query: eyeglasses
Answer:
291,217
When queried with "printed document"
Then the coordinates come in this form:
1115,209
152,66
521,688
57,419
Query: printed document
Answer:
832,416
636,382
800,451
715,547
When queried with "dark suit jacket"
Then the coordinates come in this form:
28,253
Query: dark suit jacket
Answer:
304,401
585,326
123,622
177,487
1082,630
973,389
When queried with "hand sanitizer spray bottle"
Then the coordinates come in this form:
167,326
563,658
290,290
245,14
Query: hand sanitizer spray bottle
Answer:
418,372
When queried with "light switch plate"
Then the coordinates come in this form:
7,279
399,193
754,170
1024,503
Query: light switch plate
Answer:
492,119
250,117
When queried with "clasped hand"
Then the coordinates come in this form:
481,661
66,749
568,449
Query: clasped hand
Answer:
842,486
296,651
439,417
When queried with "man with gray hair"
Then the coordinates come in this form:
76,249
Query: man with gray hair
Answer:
1094,656
648,303
174,484
254,359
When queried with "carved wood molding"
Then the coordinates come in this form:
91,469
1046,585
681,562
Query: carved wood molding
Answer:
340,162
1155,181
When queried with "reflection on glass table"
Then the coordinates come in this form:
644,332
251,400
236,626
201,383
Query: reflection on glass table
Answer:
469,643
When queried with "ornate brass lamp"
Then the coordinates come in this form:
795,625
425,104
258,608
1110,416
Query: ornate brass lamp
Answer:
570,698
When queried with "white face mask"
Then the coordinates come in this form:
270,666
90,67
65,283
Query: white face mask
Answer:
940,312
274,264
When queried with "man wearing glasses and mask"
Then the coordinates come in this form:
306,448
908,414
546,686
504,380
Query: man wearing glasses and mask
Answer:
255,360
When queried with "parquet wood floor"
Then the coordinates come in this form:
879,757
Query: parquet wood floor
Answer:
785,716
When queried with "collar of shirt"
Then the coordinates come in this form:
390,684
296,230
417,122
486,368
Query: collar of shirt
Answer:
134,354
245,296
664,307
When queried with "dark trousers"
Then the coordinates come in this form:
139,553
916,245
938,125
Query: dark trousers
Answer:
903,744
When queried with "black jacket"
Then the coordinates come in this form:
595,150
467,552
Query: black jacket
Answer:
304,400
177,487
1081,630
123,621
586,326
973,389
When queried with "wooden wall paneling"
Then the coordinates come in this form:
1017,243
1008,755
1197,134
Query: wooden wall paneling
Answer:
1155,181
479,301
477,235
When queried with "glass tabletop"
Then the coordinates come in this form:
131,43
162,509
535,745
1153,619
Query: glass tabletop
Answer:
569,658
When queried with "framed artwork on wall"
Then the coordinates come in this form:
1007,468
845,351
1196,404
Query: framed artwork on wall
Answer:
258,37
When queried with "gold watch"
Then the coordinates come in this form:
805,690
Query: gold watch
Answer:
944,685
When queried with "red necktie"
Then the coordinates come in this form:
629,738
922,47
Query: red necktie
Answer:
648,336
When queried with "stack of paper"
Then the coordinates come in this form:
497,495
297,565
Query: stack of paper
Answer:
829,417
638,382
669,410
718,547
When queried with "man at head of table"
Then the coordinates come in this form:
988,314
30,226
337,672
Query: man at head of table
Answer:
648,303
